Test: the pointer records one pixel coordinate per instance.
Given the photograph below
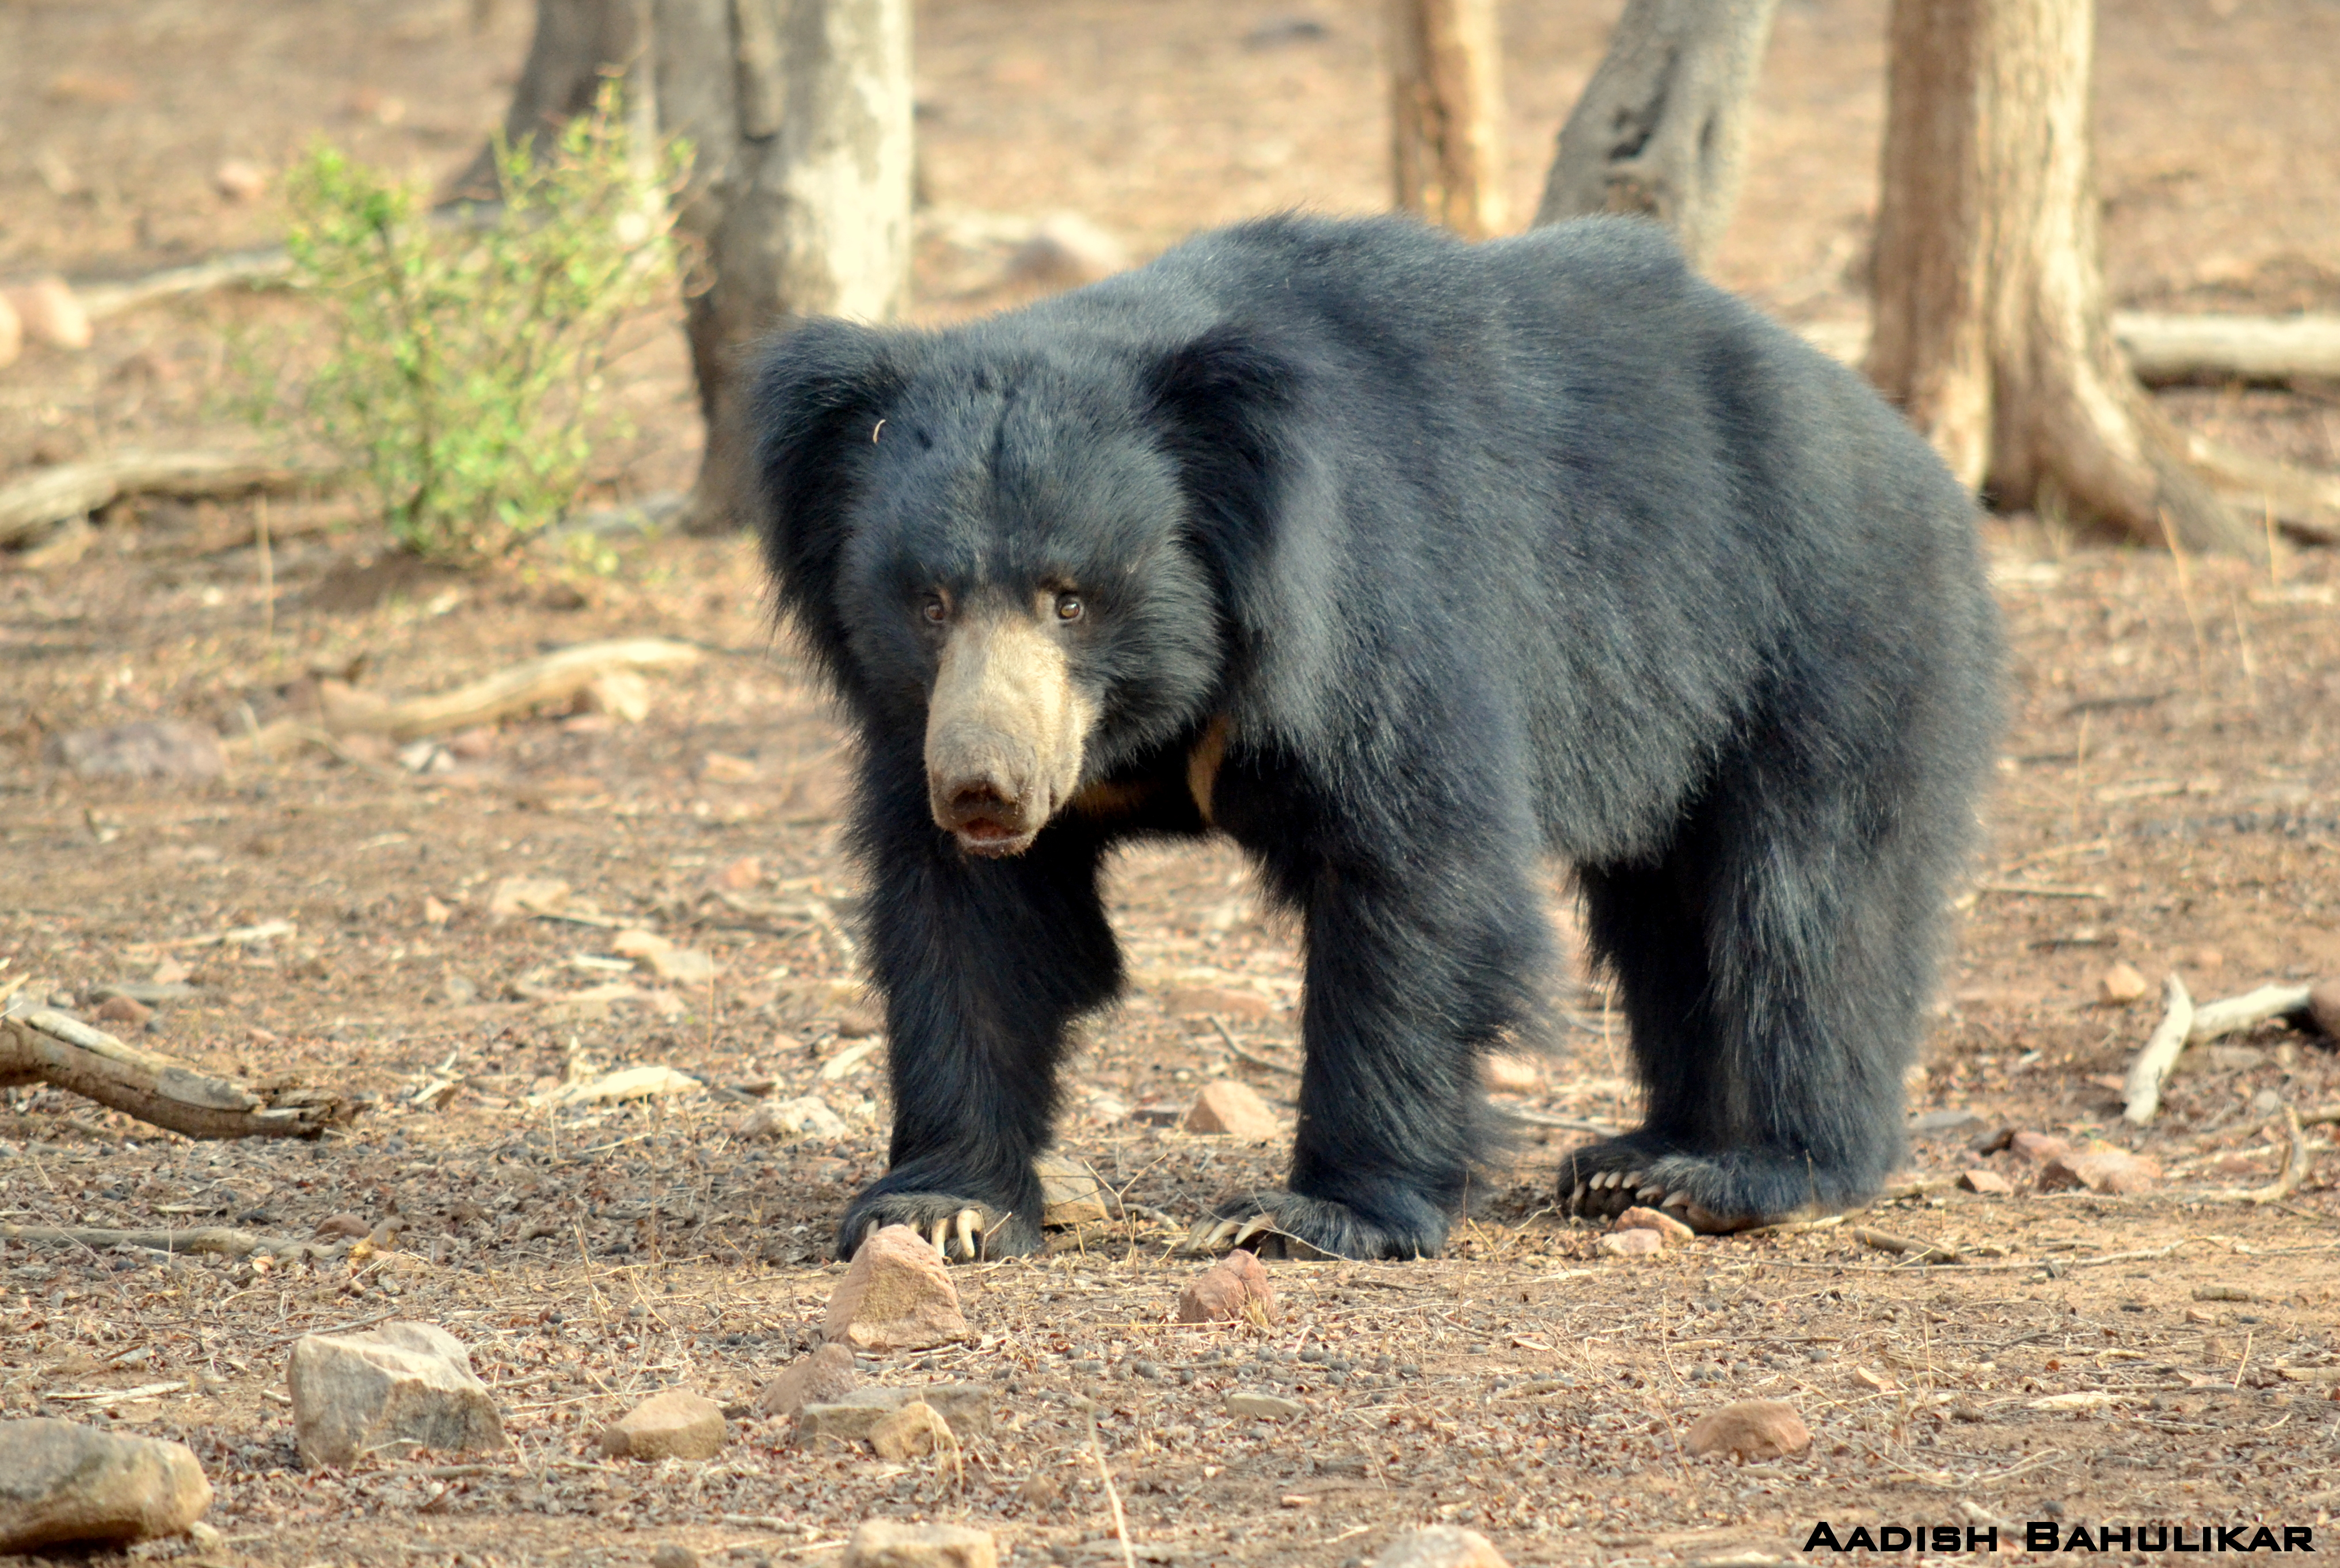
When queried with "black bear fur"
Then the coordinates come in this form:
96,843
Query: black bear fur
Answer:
1478,552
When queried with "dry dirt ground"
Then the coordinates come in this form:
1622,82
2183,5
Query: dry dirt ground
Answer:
2169,799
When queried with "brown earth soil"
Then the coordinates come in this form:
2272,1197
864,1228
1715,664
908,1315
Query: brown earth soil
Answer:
2169,801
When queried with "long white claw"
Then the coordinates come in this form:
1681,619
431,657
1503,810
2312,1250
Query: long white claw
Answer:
967,1246
1577,1196
1675,1200
1652,1192
1259,1224
868,1233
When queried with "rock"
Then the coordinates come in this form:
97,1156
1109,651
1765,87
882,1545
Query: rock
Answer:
1441,1546
435,913
2121,985
1253,1404
648,950
2323,1007
854,1416
821,1378
1507,1073
2222,1293
1987,1182
2038,1147
2109,1171
238,178
50,314
1750,1431
120,1009
911,1432
1945,1123
1235,1110
890,1543
456,990
1665,1224
805,1116
897,1296
149,749
673,1554
676,1425
1224,1291
1070,1193
389,1390
739,876
1634,1242
12,332
1201,1002
343,1224
513,896
61,1481
1065,251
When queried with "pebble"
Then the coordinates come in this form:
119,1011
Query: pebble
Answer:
1752,1430
2121,985
345,1224
1991,1183
676,1425
388,1391
673,1554
50,314
1224,1292
2323,1007
891,1543
2109,1171
1441,1546
63,1481
2222,1293
513,896
1235,1110
123,1010
911,1431
2038,1147
854,1415
897,1296
169,750
1664,1225
648,950
805,1116
1070,1193
821,1378
741,875
1635,1243
1250,1402
238,178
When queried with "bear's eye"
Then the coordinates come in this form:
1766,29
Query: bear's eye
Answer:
1069,607
936,608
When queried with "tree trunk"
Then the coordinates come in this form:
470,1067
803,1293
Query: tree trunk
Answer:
799,201
1661,129
1446,114
1990,327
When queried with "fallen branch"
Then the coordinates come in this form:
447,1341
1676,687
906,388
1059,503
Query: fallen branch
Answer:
2142,1090
1914,1250
2297,1160
39,1045
221,1240
2167,349
244,267
2212,1019
2305,501
556,677
72,490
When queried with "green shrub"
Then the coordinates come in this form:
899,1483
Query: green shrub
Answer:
466,349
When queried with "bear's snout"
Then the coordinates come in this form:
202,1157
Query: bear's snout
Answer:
1005,728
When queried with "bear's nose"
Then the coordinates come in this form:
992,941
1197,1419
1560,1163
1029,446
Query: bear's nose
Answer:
987,817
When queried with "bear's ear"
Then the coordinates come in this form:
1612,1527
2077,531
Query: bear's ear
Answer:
820,392
1228,402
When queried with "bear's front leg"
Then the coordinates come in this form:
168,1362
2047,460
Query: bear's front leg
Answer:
983,963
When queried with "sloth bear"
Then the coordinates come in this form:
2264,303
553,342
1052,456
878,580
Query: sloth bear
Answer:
1400,561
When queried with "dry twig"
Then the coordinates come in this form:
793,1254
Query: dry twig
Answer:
2142,1091
2297,1160
72,490
39,1045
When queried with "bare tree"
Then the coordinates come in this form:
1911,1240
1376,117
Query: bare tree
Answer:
1661,128
1990,329
1446,112
798,201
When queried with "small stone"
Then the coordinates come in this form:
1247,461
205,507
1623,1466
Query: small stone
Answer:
476,744
1508,1073
673,1554
1989,1183
897,1296
1665,1224
435,913
388,1391
1252,1405
676,1425
912,1431
1636,1242
2110,1171
2038,1147
1224,1292
513,896
821,1378
238,178
2121,985
648,950
169,972
1441,1546
1751,1431
1070,1193
343,1224
165,749
123,1010
805,1116
50,314
456,990
61,1482
741,875
1235,1110
890,1543
2222,1293
1202,1002
640,1082
2323,1007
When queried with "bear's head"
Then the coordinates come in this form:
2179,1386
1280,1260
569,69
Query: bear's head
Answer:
1012,543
